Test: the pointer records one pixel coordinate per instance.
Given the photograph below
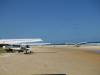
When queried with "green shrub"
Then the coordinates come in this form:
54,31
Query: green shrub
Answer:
2,50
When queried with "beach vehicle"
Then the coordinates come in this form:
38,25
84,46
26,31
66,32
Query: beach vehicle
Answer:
19,45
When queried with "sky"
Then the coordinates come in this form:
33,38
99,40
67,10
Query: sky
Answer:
51,20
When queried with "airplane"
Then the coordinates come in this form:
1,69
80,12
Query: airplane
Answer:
20,45
79,44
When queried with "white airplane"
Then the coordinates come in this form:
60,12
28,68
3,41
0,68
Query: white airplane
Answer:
18,44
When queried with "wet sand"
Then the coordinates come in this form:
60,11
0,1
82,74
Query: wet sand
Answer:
71,60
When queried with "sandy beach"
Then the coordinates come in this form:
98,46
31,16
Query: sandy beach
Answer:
84,60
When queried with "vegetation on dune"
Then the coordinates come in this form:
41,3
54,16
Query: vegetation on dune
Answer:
2,50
